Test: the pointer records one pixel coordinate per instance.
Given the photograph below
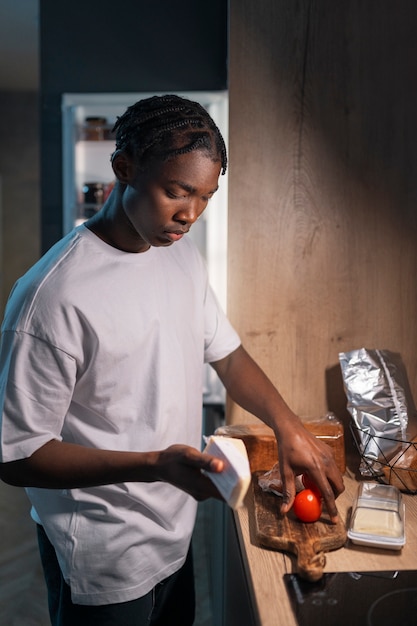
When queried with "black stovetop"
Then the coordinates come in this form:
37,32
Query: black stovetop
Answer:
355,599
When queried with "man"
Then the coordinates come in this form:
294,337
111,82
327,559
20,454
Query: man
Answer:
103,345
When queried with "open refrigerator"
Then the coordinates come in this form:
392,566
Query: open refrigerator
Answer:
87,122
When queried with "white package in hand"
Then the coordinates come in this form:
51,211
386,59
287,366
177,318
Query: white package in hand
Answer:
233,482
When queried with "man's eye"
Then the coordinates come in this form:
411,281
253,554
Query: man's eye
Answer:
175,196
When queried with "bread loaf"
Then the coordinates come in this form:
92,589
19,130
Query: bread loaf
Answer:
402,469
261,444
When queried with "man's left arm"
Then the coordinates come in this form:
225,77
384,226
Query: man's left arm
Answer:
298,450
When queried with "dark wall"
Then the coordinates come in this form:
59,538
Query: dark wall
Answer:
103,46
19,187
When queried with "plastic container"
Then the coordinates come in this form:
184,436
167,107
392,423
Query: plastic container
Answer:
377,517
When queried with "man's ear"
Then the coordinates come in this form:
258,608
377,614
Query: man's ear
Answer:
123,167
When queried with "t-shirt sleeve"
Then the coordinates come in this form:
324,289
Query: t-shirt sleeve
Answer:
36,386
220,337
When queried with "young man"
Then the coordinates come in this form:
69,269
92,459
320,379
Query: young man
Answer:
103,345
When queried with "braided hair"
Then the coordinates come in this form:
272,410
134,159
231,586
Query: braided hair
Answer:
162,127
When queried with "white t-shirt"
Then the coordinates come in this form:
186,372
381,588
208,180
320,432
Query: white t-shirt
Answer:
106,349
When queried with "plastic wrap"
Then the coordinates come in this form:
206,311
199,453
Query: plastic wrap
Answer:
377,391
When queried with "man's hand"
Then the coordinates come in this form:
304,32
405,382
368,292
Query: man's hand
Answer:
181,466
299,451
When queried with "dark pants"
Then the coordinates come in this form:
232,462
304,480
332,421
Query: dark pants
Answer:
170,603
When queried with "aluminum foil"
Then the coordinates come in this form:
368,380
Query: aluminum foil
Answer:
376,388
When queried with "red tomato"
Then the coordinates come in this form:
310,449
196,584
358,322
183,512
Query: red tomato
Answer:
308,484
307,506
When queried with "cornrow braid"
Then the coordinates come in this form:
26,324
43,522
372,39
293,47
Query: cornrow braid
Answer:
162,127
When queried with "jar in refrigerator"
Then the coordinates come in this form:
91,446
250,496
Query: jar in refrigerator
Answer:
95,129
93,194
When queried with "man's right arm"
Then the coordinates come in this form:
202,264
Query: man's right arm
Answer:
61,465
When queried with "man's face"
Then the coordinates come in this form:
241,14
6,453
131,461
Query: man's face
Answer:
163,202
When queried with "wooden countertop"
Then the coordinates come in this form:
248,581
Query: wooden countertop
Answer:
265,568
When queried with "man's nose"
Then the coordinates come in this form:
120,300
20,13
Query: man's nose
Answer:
190,213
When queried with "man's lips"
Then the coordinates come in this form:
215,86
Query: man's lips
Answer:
175,235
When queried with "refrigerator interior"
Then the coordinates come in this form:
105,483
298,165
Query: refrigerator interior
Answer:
86,166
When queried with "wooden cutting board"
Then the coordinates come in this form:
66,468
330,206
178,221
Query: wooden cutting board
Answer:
308,542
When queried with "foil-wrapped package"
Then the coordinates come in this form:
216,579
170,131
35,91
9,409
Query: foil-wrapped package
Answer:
376,386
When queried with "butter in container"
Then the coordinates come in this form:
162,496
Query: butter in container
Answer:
377,517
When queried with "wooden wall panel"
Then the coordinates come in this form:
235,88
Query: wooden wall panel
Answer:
322,189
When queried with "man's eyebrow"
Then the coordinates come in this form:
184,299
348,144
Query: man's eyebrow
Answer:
188,187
